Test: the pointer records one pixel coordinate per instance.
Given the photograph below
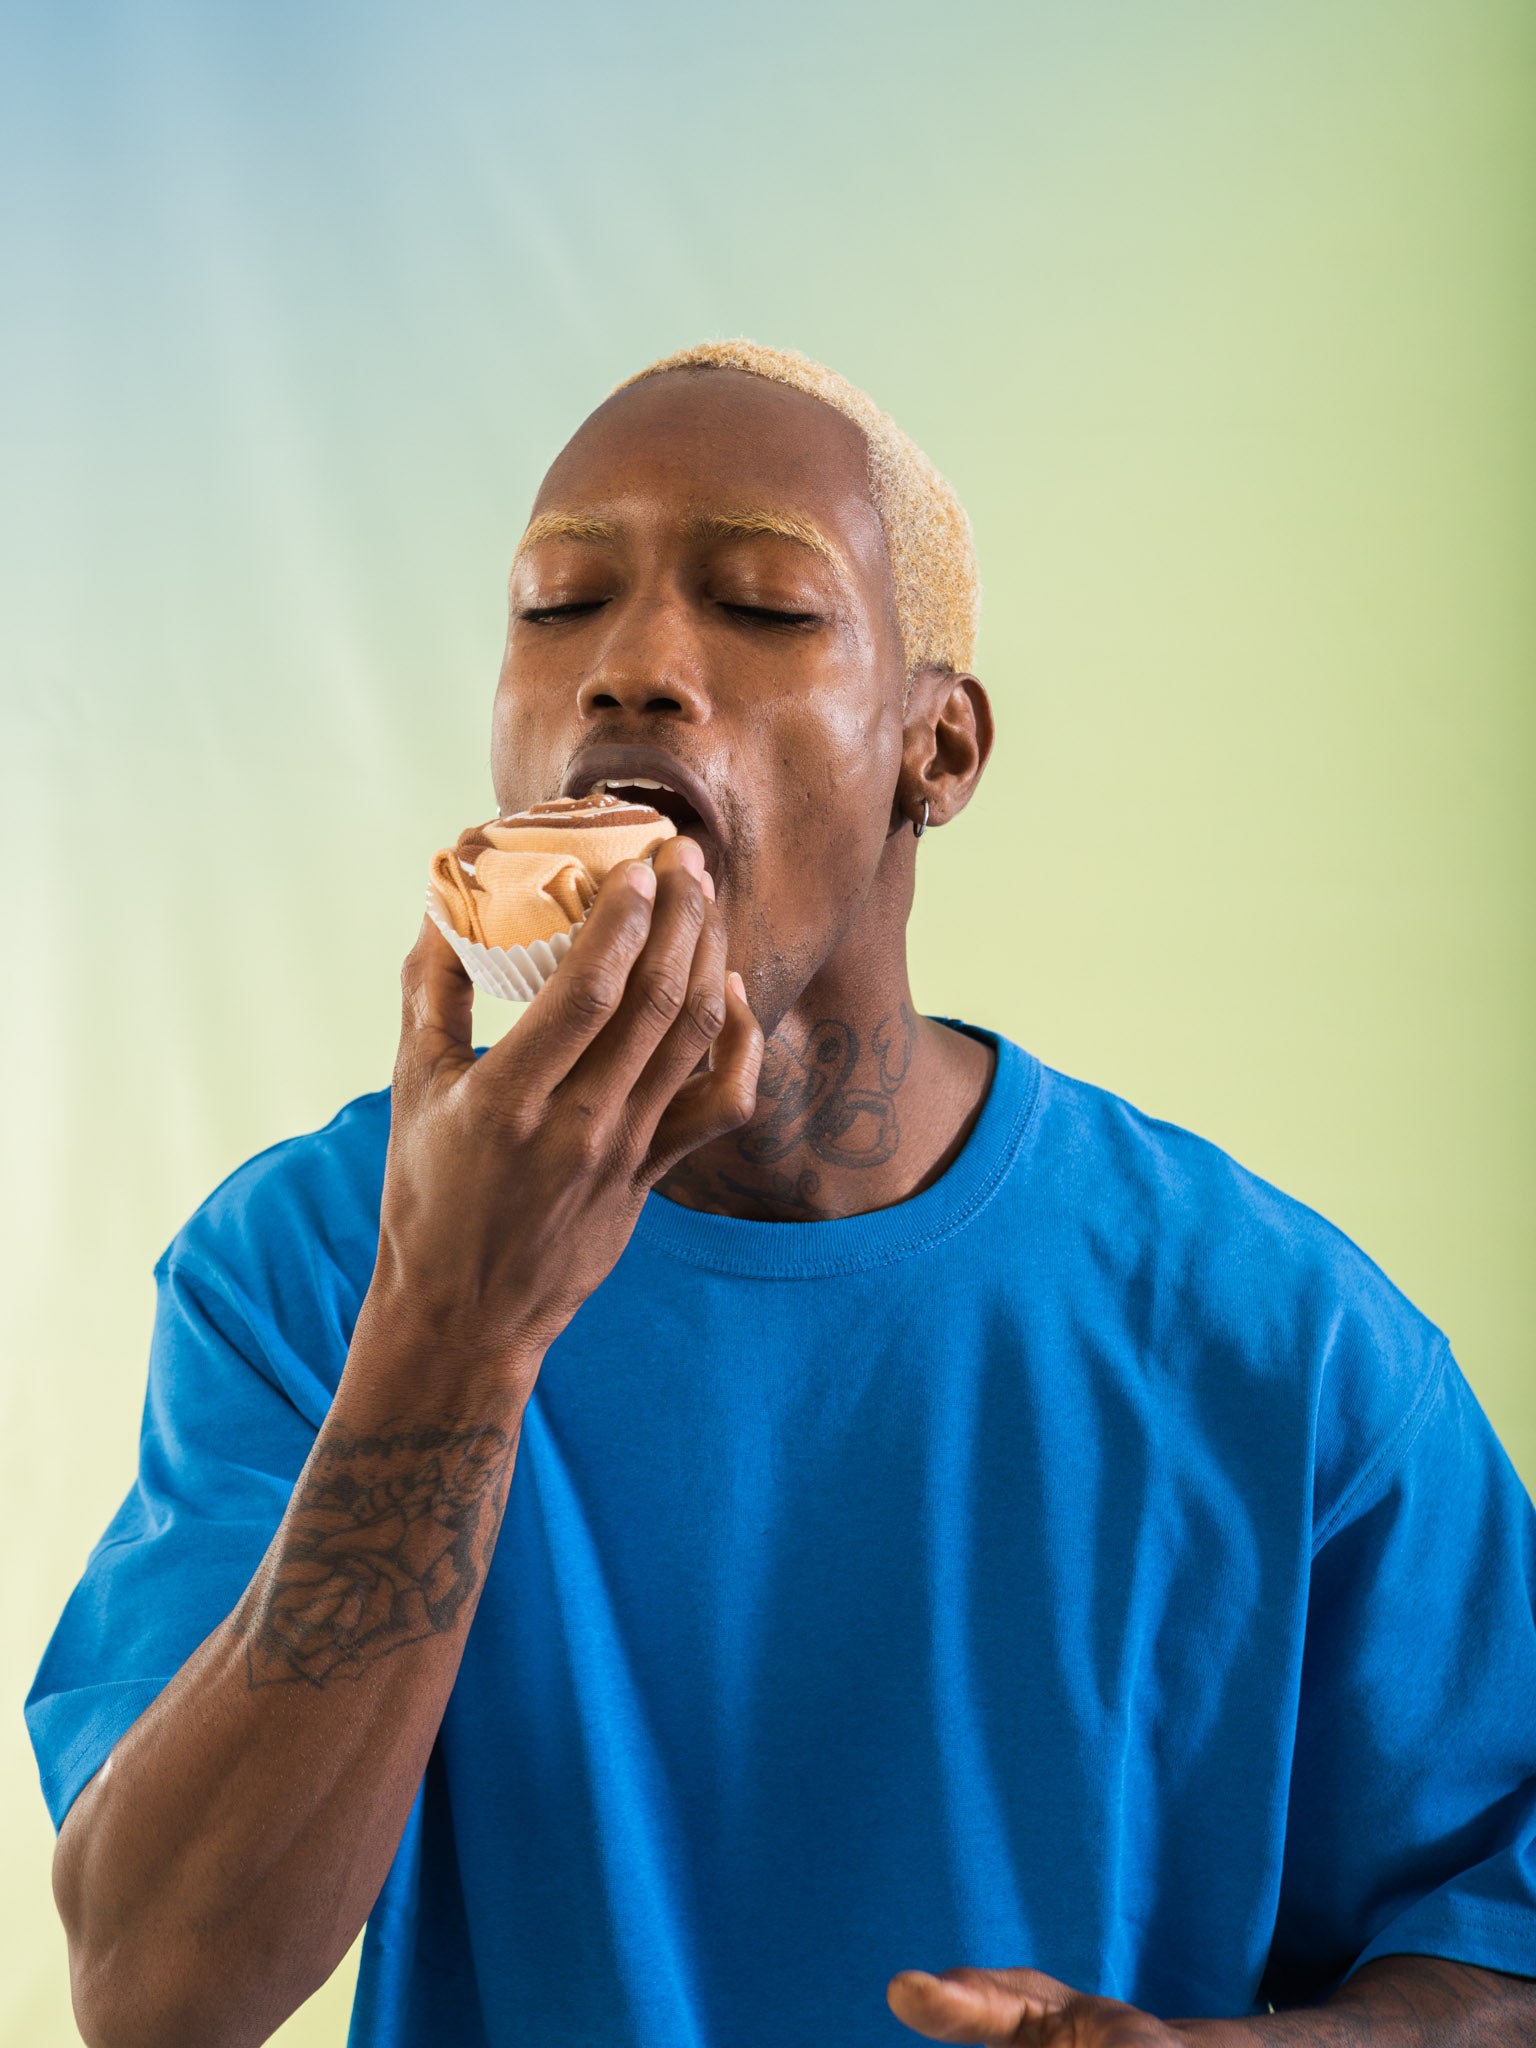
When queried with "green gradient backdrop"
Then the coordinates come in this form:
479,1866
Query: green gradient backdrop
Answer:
1219,315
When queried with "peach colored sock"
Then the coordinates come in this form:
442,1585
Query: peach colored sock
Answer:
512,897
515,880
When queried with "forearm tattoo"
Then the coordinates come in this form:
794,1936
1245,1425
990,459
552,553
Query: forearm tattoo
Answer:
385,1541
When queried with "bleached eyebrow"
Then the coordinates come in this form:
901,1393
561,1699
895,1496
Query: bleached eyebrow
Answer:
786,525
738,525
566,526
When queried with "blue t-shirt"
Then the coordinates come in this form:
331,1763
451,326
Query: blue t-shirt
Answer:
1093,1563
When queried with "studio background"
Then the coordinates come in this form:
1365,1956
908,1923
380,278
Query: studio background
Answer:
1221,319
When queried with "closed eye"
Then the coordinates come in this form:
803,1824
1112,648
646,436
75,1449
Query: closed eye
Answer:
542,614
765,615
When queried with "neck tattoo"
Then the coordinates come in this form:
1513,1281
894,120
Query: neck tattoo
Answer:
833,1099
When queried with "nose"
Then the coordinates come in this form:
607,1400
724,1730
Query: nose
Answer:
648,663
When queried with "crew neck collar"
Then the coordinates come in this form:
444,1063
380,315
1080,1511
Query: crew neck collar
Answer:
849,1244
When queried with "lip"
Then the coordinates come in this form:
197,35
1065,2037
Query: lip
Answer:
616,762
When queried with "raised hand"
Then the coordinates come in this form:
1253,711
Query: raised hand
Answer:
514,1180
1020,2009
218,1869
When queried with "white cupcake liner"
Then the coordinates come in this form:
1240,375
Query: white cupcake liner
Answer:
515,973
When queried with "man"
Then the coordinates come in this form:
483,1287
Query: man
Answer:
689,1536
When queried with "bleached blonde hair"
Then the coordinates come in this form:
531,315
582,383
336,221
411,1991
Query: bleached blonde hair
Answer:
927,535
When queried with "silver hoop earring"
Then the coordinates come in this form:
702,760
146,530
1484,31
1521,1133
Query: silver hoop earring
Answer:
919,830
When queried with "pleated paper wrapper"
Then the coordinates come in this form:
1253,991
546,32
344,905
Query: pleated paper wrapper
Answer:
515,973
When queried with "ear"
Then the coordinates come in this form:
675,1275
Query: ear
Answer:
946,738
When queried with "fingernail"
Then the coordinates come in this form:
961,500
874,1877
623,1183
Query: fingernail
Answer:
707,884
641,878
736,984
691,855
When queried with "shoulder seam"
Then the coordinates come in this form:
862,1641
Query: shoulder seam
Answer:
257,1158
1392,1452
213,1280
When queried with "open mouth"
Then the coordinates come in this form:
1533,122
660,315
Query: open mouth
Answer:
655,776
640,789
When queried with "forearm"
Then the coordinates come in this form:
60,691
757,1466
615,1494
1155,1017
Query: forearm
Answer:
1399,2001
218,1867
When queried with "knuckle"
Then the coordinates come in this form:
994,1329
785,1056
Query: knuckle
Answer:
592,992
740,1101
707,1009
586,1139
660,997
629,1142
509,1109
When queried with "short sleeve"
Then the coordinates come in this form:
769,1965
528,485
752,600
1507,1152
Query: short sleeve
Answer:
221,1446
1412,1812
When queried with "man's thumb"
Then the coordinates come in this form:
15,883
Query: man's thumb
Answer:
974,2006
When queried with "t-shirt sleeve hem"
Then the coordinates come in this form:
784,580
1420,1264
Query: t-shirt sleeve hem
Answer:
70,1769
1489,1934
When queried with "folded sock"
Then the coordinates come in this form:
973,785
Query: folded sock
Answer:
512,882
512,898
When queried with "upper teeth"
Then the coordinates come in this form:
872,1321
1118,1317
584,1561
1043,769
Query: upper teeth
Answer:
634,782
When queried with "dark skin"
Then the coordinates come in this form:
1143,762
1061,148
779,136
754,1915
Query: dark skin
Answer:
1405,2001
220,1863
780,682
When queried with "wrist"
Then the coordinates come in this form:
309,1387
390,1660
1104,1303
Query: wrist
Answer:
413,1356
1218,2033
